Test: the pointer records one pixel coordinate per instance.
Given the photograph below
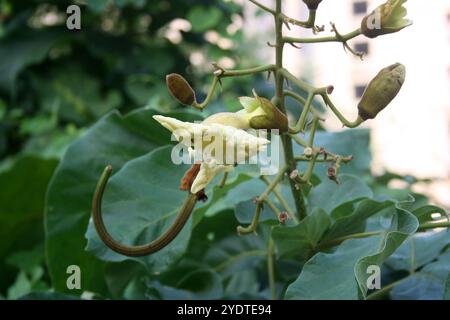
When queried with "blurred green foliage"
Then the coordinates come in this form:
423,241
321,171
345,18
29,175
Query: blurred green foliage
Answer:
55,83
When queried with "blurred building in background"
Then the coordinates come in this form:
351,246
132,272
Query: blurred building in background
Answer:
412,136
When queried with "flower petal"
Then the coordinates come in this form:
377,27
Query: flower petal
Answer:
206,175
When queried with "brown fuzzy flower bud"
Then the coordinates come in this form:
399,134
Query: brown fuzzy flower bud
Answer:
381,91
180,89
312,4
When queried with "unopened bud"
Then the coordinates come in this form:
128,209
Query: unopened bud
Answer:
387,18
381,91
283,217
332,174
293,174
180,89
312,4
308,152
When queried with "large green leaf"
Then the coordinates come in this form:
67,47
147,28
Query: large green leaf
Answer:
421,257
329,196
343,273
419,250
217,258
114,140
356,221
22,197
403,224
188,281
427,284
140,202
330,276
299,242
424,214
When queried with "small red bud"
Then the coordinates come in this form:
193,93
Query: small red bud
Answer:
330,89
283,217
293,174
331,172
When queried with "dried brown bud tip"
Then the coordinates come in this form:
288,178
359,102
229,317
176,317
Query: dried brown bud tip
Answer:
283,217
331,172
180,89
312,4
189,177
330,89
293,174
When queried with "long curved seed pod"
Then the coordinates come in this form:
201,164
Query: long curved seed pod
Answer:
140,250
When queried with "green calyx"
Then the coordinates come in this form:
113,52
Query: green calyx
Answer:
262,114
387,18
381,91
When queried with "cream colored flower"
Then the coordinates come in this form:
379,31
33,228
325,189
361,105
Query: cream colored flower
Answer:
219,147
207,173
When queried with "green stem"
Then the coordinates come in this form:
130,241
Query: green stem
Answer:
222,73
300,126
260,200
299,140
224,180
279,95
302,101
299,83
211,92
384,291
271,269
309,170
335,38
337,241
432,225
308,24
262,7
254,224
247,72
312,132
282,201
339,115
274,208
